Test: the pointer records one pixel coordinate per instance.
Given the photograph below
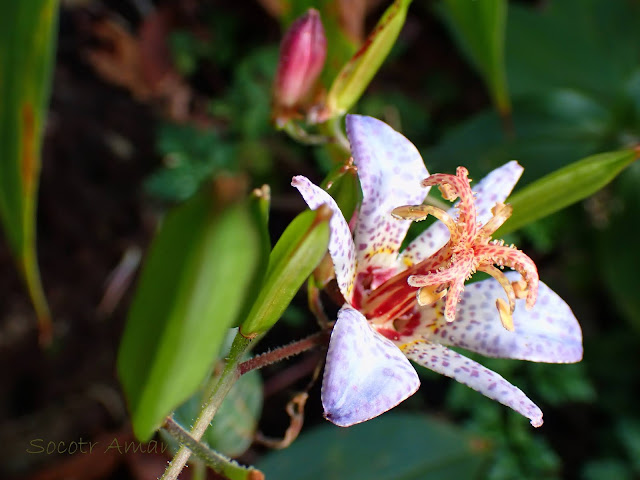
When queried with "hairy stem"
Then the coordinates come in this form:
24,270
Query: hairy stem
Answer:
229,376
295,348
218,462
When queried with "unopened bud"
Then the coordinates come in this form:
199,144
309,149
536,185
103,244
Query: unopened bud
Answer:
302,55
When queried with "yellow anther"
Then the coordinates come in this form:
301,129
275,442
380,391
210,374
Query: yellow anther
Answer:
520,288
448,192
421,212
505,314
429,295
416,213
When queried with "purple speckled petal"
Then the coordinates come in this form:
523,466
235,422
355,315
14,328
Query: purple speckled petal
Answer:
390,169
341,245
447,362
493,188
365,375
549,332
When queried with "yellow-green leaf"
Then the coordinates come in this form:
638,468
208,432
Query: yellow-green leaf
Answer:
357,73
298,251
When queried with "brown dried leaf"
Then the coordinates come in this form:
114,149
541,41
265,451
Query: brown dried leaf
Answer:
142,64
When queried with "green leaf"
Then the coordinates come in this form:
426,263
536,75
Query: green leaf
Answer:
565,187
391,447
343,185
479,28
27,36
193,285
298,251
357,73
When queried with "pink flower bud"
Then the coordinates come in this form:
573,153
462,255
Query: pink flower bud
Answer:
302,55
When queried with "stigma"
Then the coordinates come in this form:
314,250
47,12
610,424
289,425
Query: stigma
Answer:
470,249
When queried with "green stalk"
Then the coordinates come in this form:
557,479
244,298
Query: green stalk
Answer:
230,374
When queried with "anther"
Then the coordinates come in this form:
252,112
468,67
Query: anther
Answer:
429,295
505,314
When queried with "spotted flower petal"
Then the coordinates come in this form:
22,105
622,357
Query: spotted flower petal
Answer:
549,332
447,362
493,188
341,246
390,169
365,374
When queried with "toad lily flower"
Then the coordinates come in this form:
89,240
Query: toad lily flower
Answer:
412,305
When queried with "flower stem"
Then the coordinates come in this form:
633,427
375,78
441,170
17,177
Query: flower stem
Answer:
339,136
218,462
229,376
295,348
299,134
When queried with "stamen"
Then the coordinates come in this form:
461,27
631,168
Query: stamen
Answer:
513,258
448,192
430,295
501,213
417,213
505,314
520,288
504,282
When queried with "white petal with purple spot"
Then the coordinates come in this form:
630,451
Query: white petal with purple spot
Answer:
341,245
493,188
549,332
365,374
390,169
464,370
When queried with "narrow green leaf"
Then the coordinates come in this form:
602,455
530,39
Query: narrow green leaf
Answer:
357,73
259,204
194,283
27,36
299,250
565,187
479,28
391,447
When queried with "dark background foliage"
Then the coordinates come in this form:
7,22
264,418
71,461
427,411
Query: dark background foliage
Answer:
151,99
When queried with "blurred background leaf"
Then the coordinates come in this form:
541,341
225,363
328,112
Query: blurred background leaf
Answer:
394,446
479,28
616,240
28,36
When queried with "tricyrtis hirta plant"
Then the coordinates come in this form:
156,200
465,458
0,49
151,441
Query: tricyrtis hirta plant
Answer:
412,305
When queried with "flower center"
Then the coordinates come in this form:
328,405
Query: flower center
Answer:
469,249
